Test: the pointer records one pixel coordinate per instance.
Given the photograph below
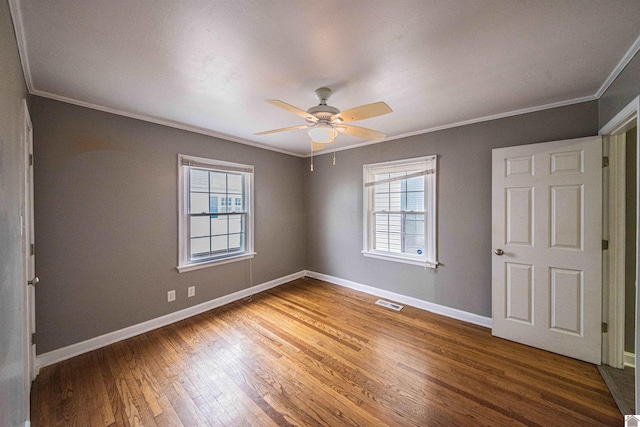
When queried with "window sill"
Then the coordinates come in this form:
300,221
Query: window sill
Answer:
402,259
198,265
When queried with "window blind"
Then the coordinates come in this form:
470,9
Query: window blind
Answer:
216,166
399,178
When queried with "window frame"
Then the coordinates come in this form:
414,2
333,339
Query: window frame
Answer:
412,165
184,229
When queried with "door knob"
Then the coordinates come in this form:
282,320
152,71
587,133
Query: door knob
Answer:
499,252
34,281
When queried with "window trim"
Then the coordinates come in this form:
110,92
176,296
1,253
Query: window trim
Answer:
429,163
184,264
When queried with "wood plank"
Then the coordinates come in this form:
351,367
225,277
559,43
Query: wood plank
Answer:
312,353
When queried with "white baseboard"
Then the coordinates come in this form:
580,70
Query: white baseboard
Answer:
27,423
77,349
629,359
413,302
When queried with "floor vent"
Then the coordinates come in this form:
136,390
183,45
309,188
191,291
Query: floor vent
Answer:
391,305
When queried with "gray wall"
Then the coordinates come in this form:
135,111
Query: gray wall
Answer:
334,206
106,221
106,224
12,333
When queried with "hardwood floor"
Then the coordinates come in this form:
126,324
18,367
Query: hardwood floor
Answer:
310,353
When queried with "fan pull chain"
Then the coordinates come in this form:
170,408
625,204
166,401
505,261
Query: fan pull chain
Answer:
311,155
335,144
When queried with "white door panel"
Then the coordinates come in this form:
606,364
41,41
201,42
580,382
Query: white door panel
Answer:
547,210
28,236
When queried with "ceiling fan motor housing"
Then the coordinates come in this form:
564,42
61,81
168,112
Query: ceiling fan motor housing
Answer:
323,112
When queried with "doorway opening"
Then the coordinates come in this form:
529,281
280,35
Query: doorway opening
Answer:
620,258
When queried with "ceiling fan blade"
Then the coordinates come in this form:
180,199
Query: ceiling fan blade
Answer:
360,132
363,112
266,132
295,110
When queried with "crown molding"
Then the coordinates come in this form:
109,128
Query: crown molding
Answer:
163,122
18,28
463,123
619,122
633,50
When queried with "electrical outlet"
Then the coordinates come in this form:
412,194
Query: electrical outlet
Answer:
191,291
171,296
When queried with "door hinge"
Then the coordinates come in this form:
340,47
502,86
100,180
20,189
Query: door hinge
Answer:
30,159
33,339
32,249
605,327
605,245
605,162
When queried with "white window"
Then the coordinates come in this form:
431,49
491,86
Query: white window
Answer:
212,230
400,211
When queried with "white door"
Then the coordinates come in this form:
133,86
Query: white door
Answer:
28,248
547,242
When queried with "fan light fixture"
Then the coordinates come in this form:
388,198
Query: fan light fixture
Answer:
324,121
323,134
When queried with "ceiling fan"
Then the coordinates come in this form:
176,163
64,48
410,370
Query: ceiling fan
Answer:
325,121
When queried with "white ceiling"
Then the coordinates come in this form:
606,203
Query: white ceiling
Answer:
208,66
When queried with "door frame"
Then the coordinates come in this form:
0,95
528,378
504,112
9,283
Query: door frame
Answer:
613,258
26,231
614,339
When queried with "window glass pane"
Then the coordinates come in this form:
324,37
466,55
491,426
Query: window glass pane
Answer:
236,242
235,223
199,180
380,177
395,223
395,242
234,184
395,201
218,201
414,244
199,247
200,226
414,224
238,207
382,223
218,182
381,201
214,203
199,203
414,239
414,201
382,242
219,245
218,225
414,184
